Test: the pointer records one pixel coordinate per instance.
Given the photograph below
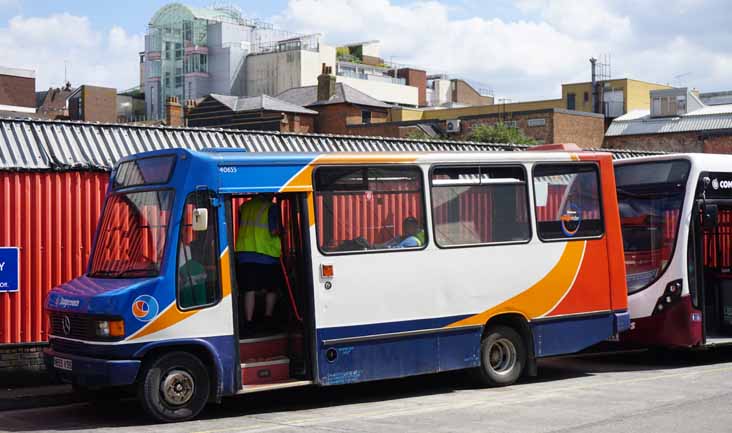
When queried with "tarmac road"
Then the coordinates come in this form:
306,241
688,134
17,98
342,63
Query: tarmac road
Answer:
636,392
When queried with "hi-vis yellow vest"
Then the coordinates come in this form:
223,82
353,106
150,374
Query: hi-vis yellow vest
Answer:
254,235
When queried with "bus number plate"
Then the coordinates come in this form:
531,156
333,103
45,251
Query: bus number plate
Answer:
61,363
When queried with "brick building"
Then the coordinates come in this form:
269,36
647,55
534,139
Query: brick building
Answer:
551,125
339,105
678,121
17,90
93,104
263,113
51,104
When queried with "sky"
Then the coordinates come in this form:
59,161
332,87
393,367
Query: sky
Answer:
522,49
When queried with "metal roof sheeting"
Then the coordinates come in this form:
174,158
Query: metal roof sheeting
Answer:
61,145
640,122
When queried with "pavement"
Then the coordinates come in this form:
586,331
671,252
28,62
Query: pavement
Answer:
24,389
632,392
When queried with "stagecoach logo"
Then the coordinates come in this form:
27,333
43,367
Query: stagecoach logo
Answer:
66,325
723,184
144,308
62,302
571,220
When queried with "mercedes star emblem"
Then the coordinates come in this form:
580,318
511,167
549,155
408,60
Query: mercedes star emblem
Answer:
67,325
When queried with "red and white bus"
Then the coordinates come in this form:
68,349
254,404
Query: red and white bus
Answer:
676,217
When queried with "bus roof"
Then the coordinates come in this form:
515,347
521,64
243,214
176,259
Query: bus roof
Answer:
234,157
699,161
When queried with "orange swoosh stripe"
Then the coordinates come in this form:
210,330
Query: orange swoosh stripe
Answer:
538,299
172,315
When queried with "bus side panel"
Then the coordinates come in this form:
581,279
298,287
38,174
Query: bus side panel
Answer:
614,235
400,356
568,335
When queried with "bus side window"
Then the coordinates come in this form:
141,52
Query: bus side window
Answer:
572,206
479,205
198,264
366,208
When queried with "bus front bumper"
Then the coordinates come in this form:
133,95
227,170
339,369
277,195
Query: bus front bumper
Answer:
86,371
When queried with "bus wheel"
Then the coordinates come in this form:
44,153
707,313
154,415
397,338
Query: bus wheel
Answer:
502,357
174,387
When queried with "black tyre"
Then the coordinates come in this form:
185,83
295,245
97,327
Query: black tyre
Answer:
174,387
502,357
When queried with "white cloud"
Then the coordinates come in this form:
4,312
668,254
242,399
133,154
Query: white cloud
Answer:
529,57
47,44
491,51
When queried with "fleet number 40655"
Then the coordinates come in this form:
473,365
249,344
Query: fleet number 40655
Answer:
228,170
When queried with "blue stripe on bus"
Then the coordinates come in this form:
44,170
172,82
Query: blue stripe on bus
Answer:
417,354
386,327
376,359
568,335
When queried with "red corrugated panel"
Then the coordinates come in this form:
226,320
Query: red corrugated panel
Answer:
51,217
722,237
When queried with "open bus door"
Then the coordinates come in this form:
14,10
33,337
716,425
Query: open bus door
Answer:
276,352
711,267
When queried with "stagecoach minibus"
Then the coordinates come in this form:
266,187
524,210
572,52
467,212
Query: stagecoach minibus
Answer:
515,257
676,217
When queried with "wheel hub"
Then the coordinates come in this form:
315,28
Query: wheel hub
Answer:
502,356
177,388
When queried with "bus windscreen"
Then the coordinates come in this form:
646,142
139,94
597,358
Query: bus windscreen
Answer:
144,171
650,197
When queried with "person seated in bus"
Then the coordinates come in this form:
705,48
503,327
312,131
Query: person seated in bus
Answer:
192,276
410,238
258,251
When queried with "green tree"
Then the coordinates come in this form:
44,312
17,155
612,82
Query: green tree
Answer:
499,133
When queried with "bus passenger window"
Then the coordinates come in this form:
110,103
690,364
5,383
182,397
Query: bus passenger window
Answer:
369,208
479,205
567,201
198,271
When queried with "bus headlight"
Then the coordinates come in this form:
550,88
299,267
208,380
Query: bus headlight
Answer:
109,328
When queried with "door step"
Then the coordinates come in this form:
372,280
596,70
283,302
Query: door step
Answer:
263,347
291,383
258,371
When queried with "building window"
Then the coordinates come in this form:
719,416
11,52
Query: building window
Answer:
511,124
178,81
365,117
586,96
536,122
369,208
571,105
479,205
567,201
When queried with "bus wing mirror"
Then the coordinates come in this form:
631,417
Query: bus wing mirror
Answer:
710,216
200,219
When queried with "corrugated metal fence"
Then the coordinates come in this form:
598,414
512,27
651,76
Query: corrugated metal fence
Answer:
53,177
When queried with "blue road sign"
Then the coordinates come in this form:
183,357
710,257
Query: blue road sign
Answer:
9,269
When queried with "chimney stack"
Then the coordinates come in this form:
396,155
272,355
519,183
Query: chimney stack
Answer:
326,84
173,112
593,100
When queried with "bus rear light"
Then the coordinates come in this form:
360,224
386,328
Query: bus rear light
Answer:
670,296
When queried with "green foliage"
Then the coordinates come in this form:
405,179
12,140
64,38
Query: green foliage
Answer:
342,52
418,134
499,133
